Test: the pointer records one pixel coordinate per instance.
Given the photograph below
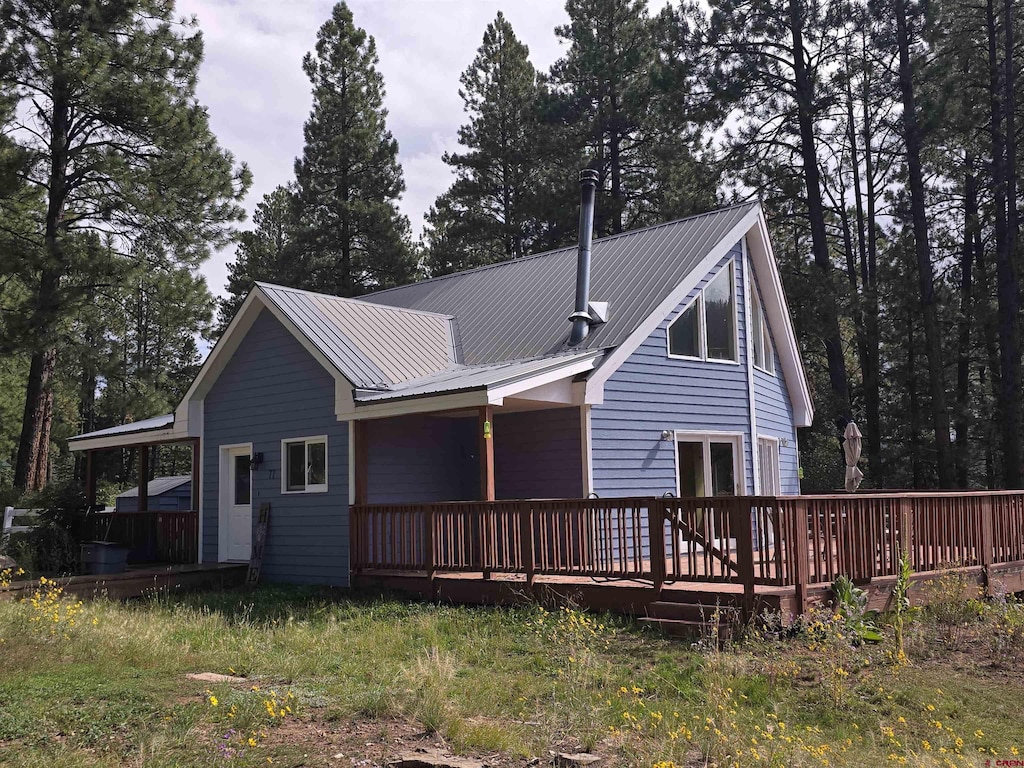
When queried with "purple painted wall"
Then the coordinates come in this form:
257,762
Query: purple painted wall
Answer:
537,454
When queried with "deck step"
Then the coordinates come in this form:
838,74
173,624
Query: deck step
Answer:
663,609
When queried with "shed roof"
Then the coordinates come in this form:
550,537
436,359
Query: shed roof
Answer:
132,427
157,486
518,309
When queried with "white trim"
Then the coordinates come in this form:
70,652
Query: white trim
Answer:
778,458
705,437
448,402
621,353
773,300
308,487
222,489
202,468
350,428
496,395
751,401
586,450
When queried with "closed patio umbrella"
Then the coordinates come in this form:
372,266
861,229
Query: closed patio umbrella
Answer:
851,448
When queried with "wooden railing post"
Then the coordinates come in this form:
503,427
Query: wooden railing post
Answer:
740,523
526,544
485,521
430,519
799,549
656,535
987,541
907,529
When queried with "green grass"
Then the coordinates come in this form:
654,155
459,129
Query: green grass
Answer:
513,682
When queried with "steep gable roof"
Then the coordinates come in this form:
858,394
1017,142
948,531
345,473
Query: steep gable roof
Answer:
372,345
518,309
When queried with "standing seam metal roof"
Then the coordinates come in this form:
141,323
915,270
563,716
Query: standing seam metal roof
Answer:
518,309
372,345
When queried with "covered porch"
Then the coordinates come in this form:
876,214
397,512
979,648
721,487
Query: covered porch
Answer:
150,535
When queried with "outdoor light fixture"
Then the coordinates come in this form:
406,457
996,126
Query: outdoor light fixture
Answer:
666,434
255,461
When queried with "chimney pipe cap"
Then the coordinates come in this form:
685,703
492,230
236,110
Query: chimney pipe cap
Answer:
589,176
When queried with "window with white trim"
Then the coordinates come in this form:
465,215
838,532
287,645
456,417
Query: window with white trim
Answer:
706,330
764,358
304,462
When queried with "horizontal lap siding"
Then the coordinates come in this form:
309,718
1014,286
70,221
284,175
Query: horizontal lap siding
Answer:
273,389
537,454
773,412
414,459
652,392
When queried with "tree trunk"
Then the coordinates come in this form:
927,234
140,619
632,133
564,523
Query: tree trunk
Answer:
922,250
963,365
30,471
816,218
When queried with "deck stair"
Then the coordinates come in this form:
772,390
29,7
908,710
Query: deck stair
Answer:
693,620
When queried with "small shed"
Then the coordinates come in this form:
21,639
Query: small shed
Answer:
166,494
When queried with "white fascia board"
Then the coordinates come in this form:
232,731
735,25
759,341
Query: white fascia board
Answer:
550,376
427,404
776,309
595,384
126,439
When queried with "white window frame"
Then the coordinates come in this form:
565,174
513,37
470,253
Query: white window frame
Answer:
757,308
309,488
702,322
706,438
776,469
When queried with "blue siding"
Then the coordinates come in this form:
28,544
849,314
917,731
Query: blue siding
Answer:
538,454
421,458
271,389
773,413
652,392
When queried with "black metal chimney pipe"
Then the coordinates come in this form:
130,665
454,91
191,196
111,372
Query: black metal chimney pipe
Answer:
581,318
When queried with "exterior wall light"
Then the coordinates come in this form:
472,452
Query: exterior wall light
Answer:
666,434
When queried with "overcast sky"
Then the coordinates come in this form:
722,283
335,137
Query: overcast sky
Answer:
258,97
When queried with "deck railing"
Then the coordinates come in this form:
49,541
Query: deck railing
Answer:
795,541
158,537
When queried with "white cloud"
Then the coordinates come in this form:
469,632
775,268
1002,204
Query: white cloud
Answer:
258,97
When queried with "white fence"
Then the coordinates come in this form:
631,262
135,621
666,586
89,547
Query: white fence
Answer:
10,515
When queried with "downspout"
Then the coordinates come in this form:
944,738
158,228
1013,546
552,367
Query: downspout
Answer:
581,317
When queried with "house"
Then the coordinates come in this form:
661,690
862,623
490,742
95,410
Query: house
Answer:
165,494
678,373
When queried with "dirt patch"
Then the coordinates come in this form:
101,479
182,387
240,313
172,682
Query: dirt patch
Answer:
360,743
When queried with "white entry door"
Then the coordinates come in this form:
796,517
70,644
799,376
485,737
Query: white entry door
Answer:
236,496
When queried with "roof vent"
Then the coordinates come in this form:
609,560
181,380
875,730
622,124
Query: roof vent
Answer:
581,318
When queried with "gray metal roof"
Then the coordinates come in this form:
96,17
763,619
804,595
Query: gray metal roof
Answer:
469,377
145,425
518,309
158,485
372,345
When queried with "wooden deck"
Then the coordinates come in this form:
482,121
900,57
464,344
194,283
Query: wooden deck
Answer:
753,552
140,581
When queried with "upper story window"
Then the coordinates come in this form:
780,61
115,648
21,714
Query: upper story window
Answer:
305,465
706,330
764,358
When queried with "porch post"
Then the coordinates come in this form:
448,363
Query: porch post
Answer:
90,481
485,437
360,458
197,458
143,478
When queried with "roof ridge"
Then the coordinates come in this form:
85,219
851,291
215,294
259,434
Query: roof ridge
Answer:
553,251
351,300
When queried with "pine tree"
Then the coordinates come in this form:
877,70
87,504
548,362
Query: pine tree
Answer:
268,252
116,142
348,179
488,213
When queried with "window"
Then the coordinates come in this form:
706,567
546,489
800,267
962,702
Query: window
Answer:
764,357
706,330
305,465
768,464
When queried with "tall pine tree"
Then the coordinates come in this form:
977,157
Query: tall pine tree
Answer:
488,213
348,179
